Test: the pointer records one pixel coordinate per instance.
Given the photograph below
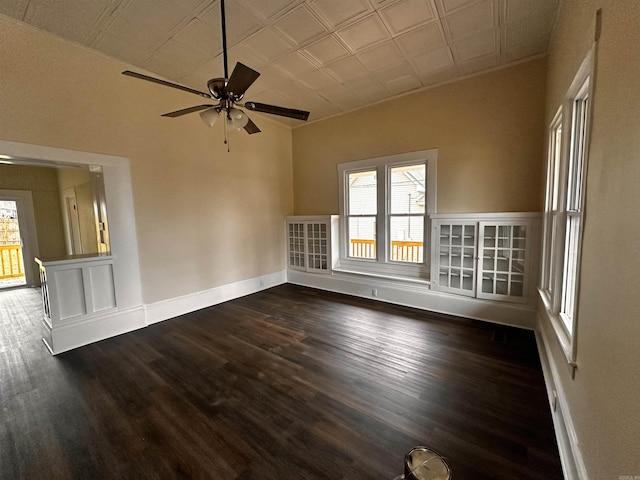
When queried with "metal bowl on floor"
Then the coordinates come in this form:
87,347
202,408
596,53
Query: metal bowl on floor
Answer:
422,463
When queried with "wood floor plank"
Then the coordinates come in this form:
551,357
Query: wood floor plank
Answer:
287,383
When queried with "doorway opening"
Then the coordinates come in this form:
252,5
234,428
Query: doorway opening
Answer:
12,273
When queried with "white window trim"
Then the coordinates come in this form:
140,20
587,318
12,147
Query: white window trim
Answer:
567,338
381,266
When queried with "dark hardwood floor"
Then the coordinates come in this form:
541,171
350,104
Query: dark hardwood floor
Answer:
288,383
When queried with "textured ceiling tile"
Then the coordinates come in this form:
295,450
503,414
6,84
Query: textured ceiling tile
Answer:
403,16
365,33
346,68
66,20
430,62
186,59
131,33
338,12
269,43
317,79
341,96
518,9
403,84
164,67
528,36
166,15
266,9
380,56
120,47
479,64
471,19
244,54
293,64
398,70
368,88
200,36
438,77
445,7
240,22
300,26
479,45
326,50
422,39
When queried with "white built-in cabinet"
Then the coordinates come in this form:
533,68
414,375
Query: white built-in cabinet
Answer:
488,256
311,247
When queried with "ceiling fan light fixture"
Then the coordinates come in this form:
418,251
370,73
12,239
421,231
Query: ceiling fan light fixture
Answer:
209,116
238,118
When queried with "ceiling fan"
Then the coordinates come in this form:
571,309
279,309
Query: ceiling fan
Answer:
227,92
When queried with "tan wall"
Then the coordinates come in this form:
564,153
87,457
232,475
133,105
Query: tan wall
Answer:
488,131
204,217
43,185
605,394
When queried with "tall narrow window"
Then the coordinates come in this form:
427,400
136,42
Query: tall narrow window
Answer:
573,230
362,211
552,206
407,194
564,209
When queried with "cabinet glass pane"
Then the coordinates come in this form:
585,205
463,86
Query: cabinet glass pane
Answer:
445,235
456,256
468,259
455,277
469,236
515,289
487,283
502,285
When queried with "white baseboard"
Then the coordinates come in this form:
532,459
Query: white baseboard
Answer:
419,295
99,327
570,455
174,307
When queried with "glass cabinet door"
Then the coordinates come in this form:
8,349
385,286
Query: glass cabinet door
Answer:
317,251
503,256
295,233
455,257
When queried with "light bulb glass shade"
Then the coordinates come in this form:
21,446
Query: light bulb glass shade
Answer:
209,116
238,118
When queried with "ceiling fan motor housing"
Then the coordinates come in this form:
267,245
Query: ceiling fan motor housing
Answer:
216,87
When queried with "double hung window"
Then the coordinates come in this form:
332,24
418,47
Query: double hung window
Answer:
384,204
564,208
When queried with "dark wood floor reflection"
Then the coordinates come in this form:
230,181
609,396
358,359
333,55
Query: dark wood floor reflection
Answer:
289,383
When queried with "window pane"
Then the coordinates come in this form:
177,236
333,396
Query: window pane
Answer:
407,238
362,234
408,189
362,193
576,160
570,270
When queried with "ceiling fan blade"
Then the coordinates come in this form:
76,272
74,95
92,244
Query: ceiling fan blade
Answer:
165,83
251,127
184,111
274,110
241,78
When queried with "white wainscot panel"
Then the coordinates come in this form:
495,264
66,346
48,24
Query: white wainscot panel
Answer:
102,288
69,293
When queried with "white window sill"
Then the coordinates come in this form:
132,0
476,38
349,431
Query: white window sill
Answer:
564,339
422,282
